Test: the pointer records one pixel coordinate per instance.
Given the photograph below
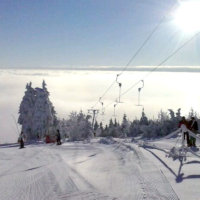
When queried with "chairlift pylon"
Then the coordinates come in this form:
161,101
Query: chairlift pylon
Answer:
139,90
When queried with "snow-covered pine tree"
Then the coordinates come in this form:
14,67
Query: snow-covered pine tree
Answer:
174,120
36,113
111,129
100,129
44,116
134,129
192,113
96,125
63,127
26,111
125,126
143,119
178,114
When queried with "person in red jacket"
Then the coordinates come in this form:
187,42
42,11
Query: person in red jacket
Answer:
186,134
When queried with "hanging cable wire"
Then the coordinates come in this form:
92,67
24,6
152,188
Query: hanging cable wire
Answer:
104,93
146,41
142,46
164,61
135,55
161,63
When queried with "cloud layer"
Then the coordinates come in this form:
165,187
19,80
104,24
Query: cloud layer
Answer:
72,90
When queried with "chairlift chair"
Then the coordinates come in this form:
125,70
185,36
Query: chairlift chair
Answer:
102,108
114,114
120,86
139,90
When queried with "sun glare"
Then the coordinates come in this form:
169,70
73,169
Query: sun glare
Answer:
187,16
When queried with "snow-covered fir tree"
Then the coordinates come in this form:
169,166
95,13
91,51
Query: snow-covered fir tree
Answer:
26,111
96,126
143,119
125,126
134,129
63,127
44,118
37,114
100,129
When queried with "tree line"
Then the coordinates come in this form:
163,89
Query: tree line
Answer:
37,118
79,127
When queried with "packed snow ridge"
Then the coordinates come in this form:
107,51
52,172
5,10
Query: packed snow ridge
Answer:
107,168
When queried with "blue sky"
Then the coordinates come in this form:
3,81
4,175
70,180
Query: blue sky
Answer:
75,33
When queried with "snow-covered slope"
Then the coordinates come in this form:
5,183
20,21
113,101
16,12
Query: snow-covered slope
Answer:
96,170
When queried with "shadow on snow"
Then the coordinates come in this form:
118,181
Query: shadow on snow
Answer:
179,177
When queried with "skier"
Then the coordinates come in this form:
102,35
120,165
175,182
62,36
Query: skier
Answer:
58,137
21,140
193,126
186,134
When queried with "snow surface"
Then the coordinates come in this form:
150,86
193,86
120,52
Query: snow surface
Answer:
98,170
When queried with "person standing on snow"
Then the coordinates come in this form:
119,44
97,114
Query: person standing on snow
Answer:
21,140
193,126
58,137
186,134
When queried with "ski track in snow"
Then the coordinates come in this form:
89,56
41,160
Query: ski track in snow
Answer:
152,182
81,171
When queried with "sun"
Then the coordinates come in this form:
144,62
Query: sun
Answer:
187,16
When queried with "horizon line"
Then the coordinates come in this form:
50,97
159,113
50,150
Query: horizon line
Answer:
119,68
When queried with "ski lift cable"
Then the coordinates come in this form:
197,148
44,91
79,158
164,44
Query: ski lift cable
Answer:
164,61
146,41
142,46
135,55
161,63
111,103
111,85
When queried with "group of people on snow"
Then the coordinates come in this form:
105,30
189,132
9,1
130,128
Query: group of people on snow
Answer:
22,138
192,125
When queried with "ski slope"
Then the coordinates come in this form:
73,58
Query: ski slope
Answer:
99,169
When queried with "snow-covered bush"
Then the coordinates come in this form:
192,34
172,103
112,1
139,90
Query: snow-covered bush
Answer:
79,127
113,129
107,140
164,125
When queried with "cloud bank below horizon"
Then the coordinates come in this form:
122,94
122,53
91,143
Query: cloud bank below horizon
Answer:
72,90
